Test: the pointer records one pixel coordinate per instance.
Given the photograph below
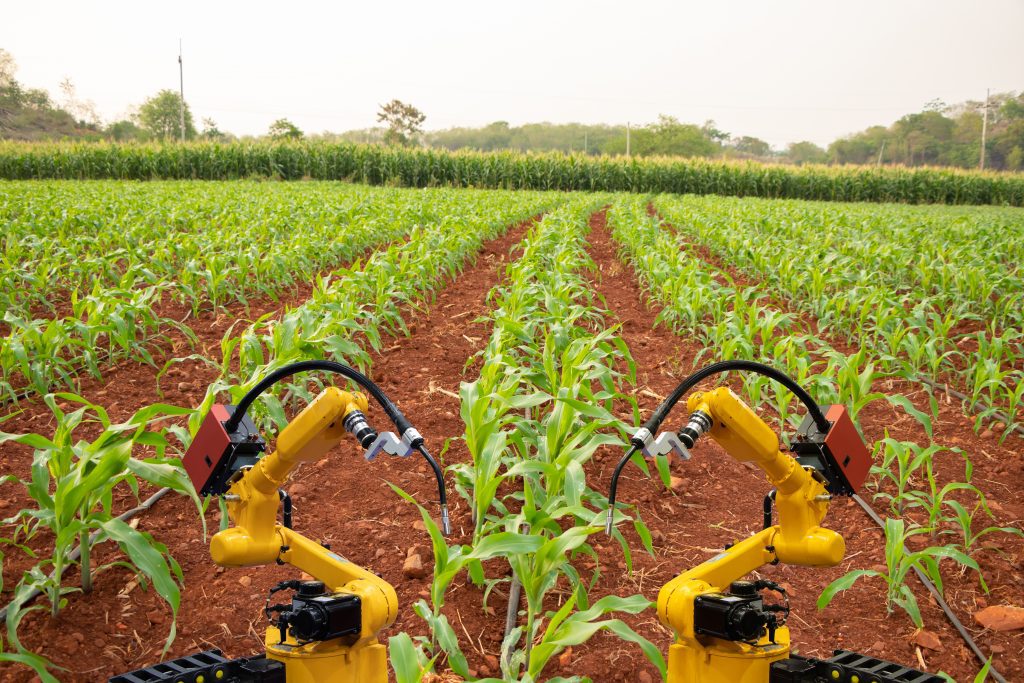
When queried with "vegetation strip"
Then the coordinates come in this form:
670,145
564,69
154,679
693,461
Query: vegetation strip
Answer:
379,165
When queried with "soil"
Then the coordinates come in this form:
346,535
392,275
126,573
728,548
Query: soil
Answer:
347,502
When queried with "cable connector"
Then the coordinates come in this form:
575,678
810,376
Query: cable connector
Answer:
446,524
700,422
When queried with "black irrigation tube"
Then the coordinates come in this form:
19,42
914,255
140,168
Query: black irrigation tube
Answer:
938,599
975,407
77,552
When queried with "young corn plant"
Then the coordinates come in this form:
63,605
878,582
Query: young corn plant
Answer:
900,562
72,485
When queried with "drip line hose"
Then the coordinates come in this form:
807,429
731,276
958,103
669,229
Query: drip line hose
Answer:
938,599
401,422
689,383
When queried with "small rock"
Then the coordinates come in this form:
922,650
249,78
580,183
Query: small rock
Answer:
412,568
927,639
981,602
245,581
644,677
999,426
565,659
379,554
78,637
1001,617
415,550
879,646
658,536
418,525
491,661
677,484
879,568
996,649
296,490
184,387
988,434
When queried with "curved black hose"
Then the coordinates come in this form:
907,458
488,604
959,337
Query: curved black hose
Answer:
396,416
689,383
442,495
613,489
768,371
402,424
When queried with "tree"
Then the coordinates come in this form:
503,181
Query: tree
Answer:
8,67
160,116
82,110
670,137
752,146
283,129
124,131
404,122
806,153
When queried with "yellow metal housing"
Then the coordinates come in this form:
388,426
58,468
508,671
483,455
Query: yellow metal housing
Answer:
798,538
256,539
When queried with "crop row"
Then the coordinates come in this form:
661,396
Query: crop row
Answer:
534,417
511,170
932,291
209,244
206,259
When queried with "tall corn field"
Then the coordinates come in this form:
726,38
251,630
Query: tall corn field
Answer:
378,165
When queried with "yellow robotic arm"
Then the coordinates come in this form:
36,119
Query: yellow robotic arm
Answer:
344,647
328,631
725,633
701,597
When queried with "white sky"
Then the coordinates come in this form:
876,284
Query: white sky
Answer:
779,70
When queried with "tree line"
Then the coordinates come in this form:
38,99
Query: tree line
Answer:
939,135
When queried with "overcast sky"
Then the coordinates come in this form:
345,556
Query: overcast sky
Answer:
779,70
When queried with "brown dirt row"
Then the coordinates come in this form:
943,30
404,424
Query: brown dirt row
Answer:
718,501
341,500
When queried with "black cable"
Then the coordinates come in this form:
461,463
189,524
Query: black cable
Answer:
402,424
690,382
396,416
286,508
442,495
768,501
613,490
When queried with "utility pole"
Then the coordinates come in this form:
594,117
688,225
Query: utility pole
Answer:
586,147
627,139
984,129
181,84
